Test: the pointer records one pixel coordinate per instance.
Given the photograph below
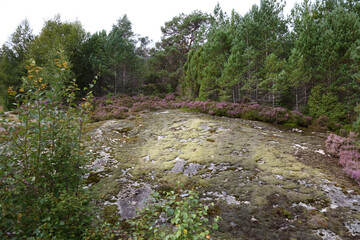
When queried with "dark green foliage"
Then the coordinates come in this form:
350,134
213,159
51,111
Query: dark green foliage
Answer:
190,85
298,78
180,35
327,33
115,58
326,104
255,57
232,61
121,56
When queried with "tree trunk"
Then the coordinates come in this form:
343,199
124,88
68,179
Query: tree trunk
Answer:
124,79
115,83
233,94
296,99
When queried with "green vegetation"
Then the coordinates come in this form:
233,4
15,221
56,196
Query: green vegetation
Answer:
303,62
42,161
178,216
42,168
261,66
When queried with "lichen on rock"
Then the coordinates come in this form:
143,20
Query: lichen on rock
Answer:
250,170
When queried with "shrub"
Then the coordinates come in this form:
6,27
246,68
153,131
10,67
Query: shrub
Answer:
125,106
178,216
171,215
42,161
326,104
348,153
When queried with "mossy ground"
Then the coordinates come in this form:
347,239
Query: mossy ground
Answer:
268,182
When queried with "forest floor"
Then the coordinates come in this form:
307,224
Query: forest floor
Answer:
267,181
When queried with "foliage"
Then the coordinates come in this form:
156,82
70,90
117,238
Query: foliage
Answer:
12,62
298,77
178,216
174,215
348,152
260,57
326,104
116,59
42,161
57,35
125,106
231,63
180,35
326,34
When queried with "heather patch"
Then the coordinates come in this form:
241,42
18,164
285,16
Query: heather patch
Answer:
348,153
125,106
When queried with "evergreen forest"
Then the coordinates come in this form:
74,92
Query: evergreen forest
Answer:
308,62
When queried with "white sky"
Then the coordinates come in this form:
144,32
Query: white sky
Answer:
147,16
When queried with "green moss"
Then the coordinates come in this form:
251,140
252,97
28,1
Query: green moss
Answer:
279,212
111,214
252,165
291,124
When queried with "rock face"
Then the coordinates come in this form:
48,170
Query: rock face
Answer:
268,182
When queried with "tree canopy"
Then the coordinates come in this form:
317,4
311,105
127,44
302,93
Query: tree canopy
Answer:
300,62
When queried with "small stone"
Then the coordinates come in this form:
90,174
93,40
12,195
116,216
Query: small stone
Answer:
320,151
278,176
254,220
333,206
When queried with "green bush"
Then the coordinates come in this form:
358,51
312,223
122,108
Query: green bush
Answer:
326,104
171,215
42,160
178,216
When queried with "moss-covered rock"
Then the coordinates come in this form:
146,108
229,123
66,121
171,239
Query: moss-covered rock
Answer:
268,182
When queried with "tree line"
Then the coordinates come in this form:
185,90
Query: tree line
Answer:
308,61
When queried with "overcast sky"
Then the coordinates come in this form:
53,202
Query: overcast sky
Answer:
147,16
